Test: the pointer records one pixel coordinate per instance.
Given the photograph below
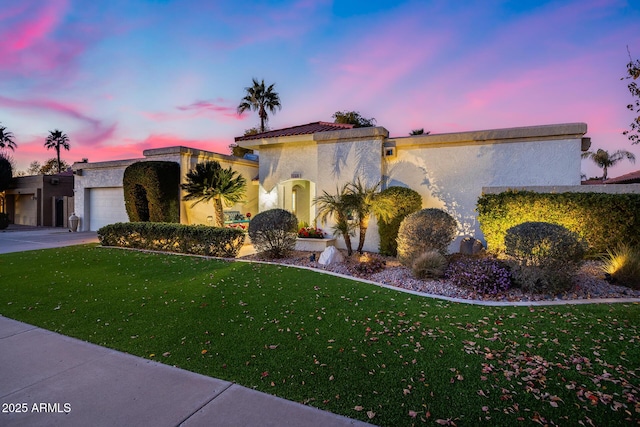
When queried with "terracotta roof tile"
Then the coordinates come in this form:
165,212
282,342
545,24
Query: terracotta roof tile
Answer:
625,179
308,129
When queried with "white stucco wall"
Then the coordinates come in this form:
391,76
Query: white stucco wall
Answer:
448,170
449,173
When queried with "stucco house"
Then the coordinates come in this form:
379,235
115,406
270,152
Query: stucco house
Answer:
448,170
299,163
99,195
40,200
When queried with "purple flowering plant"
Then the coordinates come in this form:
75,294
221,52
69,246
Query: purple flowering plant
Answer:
486,276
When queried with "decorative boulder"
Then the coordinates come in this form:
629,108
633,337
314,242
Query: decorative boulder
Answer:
331,255
470,246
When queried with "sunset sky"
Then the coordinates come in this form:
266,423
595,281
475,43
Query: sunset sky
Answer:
121,76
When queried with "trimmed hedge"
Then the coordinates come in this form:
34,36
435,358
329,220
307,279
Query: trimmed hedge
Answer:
423,231
406,201
151,191
186,239
603,220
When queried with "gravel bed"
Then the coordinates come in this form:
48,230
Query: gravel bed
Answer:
589,282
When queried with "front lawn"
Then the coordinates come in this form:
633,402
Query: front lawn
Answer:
355,349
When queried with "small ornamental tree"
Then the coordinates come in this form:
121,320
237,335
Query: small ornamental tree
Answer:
210,182
151,191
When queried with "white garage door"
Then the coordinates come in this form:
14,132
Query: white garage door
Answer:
106,206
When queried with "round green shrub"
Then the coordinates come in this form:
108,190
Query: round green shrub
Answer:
429,265
406,201
544,256
425,230
532,243
274,232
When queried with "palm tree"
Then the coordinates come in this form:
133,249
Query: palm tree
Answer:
6,139
57,140
208,181
262,99
604,160
336,205
363,201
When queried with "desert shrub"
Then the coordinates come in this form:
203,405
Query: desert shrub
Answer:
274,232
603,220
171,237
429,265
425,230
406,201
544,256
4,220
484,275
622,266
368,264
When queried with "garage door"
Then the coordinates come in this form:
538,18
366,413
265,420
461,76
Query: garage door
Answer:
106,206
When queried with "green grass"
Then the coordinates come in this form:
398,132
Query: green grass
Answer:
351,348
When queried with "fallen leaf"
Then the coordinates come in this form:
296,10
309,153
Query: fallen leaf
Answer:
413,414
204,351
358,408
371,414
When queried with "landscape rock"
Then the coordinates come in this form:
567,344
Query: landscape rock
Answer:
331,255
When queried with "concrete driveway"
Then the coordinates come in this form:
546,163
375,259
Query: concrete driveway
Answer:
19,238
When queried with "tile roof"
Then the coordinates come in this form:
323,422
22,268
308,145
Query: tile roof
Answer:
625,179
630,178
308,129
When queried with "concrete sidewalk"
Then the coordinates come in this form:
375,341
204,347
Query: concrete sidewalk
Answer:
47,379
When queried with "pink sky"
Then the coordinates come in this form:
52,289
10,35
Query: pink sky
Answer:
119,77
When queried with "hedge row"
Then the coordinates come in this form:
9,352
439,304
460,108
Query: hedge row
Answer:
186,239
603,220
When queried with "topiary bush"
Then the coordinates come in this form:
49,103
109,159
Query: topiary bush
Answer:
545,256
429,265
484,275
151,191
407,201
274,232
425,230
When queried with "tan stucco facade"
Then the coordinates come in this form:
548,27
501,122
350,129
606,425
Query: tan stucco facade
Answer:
104,179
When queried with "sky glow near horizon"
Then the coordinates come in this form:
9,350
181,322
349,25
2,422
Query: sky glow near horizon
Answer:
120,77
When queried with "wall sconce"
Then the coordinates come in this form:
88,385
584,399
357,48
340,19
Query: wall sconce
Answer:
210,220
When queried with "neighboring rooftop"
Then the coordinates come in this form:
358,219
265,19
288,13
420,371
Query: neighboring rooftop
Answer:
308,129
630,178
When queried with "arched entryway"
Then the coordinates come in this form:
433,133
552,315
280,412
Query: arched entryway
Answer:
297,196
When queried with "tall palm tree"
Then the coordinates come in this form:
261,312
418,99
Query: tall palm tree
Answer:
209,182
57,139
363,201
336,205
261,99
6,139
604,160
